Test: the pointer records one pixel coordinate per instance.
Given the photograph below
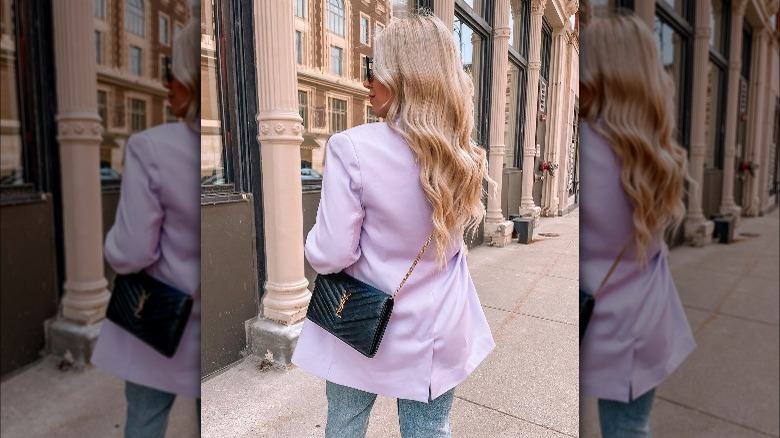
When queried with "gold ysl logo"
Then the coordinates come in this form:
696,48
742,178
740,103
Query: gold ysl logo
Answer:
145,296
343,301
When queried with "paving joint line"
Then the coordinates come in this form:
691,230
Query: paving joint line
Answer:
708,414
729,315
530,316
515,417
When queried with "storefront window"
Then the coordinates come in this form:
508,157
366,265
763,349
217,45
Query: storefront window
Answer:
714,123
11,147
519,23
212,165
673,47
718,22
514,120
470,45
679,6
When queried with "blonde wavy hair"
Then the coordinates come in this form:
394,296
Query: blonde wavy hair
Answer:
186,69
633,106
432,108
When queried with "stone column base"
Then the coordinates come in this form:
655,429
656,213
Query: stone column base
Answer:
732,210
64,335
264,335
499,233
752,210
699,233
533,212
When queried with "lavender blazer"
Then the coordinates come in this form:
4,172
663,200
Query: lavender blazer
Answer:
157,229
372,221
638,334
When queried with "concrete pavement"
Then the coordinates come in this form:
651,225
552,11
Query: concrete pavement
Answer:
528,387
728,387
42,401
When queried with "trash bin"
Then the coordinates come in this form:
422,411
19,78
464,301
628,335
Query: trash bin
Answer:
723,229
524,226
512,218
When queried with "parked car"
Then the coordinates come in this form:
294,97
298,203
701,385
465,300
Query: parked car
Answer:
309,173
107,173
310,178
215,179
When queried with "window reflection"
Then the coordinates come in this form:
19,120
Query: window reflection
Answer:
212,166
717,20
132,42
514,116
671,45
679,6
11,162
469,45
519,22
713,128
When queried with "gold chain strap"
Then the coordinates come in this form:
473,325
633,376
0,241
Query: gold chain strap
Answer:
422,251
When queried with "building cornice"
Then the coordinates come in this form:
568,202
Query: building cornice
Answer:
131,82
316,78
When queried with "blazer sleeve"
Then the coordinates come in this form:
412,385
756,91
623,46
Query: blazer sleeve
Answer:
334,242
132,244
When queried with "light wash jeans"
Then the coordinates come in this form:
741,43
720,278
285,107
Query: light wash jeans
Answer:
349,409
147,411
626,420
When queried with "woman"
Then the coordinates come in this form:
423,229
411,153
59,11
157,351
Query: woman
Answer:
157,230
386,187
632,186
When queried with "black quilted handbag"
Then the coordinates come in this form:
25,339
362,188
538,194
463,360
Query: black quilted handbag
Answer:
150,310
355,312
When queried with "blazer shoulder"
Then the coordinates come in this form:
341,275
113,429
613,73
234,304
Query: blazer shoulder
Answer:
368,132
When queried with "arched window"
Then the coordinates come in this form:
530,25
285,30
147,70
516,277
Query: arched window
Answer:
134,16
336,16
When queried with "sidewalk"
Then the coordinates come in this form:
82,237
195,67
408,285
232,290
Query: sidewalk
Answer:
728,387
528,386
42,401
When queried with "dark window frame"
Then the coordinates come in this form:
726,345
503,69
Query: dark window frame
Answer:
37,100
545,50
484,27
520,60
747,50
720,60
241,154
668,16
521,56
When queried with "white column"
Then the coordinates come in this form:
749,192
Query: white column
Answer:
568,154
75,329
755,145
445,10
769,110
498,231
280,135
727,205
698,230
645,10
79,135
527,206
557,109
